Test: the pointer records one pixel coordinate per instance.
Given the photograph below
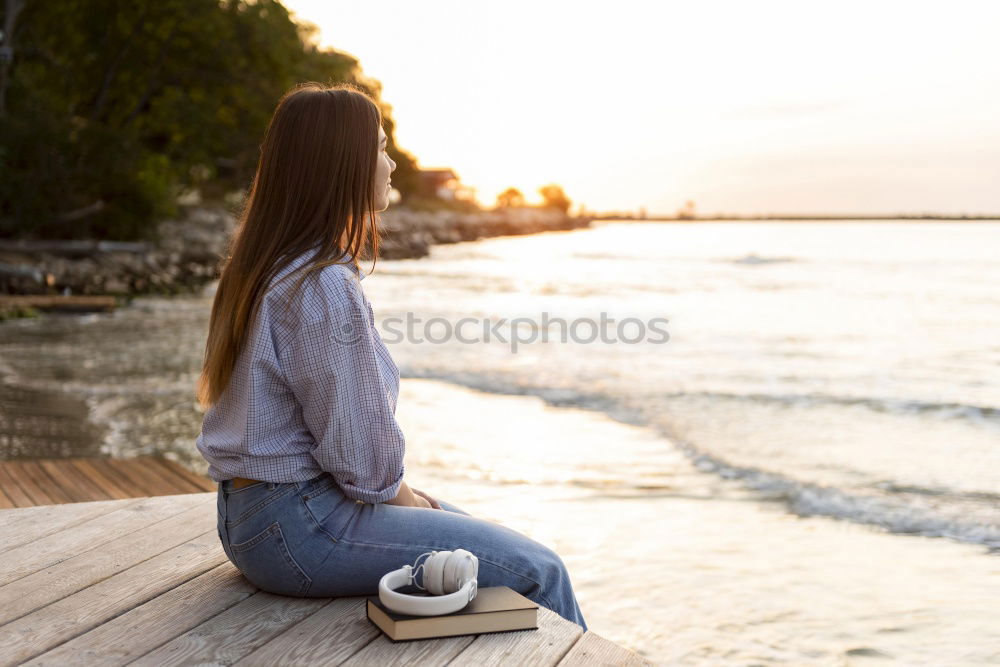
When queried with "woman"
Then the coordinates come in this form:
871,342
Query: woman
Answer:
300,391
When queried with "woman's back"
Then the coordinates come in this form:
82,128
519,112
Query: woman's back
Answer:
302,386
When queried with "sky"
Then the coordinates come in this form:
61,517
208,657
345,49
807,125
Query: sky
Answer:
844,107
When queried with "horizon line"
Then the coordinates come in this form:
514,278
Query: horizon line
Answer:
795,216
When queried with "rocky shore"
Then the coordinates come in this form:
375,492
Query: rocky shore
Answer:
411,233
188,254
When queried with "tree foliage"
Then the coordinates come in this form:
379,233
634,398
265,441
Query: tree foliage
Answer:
114,108
510,198
554,196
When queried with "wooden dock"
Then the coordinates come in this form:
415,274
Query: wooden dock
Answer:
146,582
25,483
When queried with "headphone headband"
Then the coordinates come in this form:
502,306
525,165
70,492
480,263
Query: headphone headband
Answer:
450,579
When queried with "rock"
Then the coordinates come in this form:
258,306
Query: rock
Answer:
190,248
116,286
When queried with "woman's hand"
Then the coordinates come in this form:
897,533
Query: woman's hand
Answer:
422,497
410,497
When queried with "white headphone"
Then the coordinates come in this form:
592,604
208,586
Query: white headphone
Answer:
449,577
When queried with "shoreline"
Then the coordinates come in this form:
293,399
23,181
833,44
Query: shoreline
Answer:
190,248
811,218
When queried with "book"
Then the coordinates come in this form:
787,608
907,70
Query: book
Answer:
494,609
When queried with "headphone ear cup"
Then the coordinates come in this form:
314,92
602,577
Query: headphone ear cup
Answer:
473,567
434,572
452,572
462,567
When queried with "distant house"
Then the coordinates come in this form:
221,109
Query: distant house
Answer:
442,184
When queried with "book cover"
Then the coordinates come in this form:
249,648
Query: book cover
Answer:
494,609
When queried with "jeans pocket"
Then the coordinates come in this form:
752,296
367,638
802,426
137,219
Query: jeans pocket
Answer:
319,486
247,502
267,564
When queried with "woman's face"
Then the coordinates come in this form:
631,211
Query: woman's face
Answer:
383,173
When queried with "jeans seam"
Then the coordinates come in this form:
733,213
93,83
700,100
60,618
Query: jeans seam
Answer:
319,525
319,490
546,602
333,548
243,488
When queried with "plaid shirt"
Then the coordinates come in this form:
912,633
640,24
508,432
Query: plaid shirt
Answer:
313,390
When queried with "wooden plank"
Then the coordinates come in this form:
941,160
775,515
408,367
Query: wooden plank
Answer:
136,486
53,481
29,483
158,466
47,551
26,524
42,477
593,649
13,489
69,302
179,485
139,631
383,651
544,646
75,614
153,467
328,637
109,478
54,583
71,482
203,483
6,502
151,484
44,481
235,632
18,528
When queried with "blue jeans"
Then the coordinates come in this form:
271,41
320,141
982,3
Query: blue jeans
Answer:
307,539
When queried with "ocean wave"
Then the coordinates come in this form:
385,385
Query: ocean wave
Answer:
944,410
889,505
564,397
754,258
891,512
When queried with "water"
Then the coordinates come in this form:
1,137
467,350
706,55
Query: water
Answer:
807,471
849,369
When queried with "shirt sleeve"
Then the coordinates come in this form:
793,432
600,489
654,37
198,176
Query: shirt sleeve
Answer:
332,369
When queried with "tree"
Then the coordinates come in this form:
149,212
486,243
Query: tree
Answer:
115,107
553,196
11,9
687,212
510,198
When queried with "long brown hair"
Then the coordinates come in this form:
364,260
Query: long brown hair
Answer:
314,186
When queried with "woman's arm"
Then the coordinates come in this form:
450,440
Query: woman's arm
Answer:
331,364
